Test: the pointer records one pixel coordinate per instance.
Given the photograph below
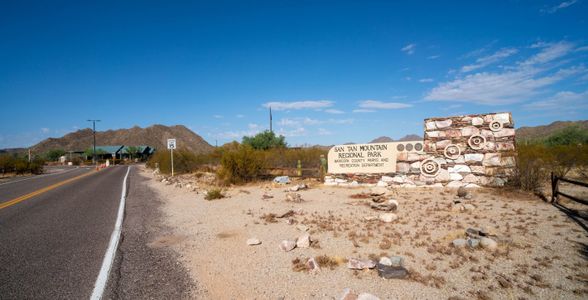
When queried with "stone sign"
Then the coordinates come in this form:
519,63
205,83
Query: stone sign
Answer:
363,158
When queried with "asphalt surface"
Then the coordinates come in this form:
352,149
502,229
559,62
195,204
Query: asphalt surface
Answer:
144,267
52,245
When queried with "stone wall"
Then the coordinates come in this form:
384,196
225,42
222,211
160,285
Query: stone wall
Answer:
470,151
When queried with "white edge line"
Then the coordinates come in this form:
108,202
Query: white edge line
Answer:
102,279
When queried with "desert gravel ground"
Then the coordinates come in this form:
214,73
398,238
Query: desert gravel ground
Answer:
541,253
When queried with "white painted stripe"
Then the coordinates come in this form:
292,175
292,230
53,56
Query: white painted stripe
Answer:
102,279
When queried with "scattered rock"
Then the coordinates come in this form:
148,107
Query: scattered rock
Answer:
357,264
462,192
389,205
286,214
312,265
475,233
370,218
473,243
388,217
469,207
367,296
303,241
391,272
459,243
348,294
488,243
282,179
302,227
253,242
298,187
287,245
393,261
294,197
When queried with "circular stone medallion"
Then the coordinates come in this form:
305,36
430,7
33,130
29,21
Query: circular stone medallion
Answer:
495,126
477,141
452,151
430,168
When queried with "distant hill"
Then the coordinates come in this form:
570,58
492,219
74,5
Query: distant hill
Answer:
13,151
536,132
386,139
154,136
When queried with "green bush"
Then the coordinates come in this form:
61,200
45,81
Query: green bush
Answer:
20,165
265,140
241,165
54,155
569,136
184,161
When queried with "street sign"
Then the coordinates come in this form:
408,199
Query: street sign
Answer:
171,144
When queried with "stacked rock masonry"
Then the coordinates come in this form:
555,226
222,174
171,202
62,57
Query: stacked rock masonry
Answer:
469,150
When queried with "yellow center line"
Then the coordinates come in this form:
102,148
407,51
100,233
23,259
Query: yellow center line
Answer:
41,191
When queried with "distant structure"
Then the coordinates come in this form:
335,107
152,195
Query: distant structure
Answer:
271,129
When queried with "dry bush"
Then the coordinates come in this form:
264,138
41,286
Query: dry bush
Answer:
214,193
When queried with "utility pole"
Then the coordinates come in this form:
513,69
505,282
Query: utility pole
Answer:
94,133
271,129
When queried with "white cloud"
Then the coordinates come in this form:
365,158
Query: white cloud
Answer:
297,122
323,131
217,116
363,110
490,59
252,129
549,53
408,49
300,131
562,5
309,104
424,80
375,104
561,101
240,116
515,84
45,130
334,111
433,56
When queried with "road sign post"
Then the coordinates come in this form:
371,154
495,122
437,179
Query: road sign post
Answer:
171,145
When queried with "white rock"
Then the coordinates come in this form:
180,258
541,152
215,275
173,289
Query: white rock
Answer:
287,245
386,261
358,264
330,183
354,183
459,160
502,118
348,294
415,165
442,176
473,157
488,243
491,159
504,132
433,134
477,121
455,176
442,144
460,169
253,242
382,184
413,156
408,185
443,123
399,178
469,207
472,186
313,265
455,184
393,202
339,180
459,243
303,241
469,131
430,125
387,178
388,217
367,296
480,170
471,178
402,167
436,185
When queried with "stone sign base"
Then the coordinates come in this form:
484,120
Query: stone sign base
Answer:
469,151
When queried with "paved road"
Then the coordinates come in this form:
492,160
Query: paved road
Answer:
52,245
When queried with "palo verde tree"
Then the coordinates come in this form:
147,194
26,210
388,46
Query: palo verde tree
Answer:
265,140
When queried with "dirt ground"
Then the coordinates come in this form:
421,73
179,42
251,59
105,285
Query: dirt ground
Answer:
541,253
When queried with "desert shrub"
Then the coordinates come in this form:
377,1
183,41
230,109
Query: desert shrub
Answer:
214,193
289,157
563,158
20,165
572,135
240,165
265,140
530,172
184,161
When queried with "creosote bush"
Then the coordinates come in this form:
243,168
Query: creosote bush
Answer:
20,165
240,165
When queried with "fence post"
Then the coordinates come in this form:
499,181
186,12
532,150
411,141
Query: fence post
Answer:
554,189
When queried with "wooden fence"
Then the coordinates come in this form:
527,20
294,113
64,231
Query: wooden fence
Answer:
556,193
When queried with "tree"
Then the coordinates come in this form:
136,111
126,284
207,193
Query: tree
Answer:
54,155
265,140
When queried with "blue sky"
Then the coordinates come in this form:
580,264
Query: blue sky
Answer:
333,71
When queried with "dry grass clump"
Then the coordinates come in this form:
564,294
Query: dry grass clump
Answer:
298,265
269,218
326,261
213,194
